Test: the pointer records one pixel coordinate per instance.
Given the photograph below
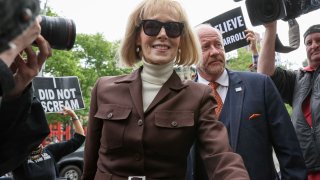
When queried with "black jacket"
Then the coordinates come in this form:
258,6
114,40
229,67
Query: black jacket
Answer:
23,127
44,168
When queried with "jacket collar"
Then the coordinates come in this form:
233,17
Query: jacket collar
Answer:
130,77
174,82
234,76
235,93
309,69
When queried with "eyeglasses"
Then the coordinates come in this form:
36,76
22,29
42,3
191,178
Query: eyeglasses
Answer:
153,27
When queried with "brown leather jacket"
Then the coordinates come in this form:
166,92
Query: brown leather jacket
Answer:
123,141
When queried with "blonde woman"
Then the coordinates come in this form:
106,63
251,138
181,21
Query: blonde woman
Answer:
142,125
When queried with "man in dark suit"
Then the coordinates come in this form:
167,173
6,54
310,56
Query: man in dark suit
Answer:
254,114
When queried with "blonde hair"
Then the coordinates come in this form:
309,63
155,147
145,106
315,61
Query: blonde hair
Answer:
190,49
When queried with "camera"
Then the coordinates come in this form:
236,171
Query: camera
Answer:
17,15
264,11
59,32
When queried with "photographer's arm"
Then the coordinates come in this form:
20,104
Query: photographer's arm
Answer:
26,70
266,61
7,57
21,42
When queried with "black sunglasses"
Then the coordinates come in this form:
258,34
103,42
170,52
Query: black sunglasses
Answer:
153,27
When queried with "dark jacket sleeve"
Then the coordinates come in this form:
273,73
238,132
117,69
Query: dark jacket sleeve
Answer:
24,126
284,81
61,149
92,146
6,79
285,141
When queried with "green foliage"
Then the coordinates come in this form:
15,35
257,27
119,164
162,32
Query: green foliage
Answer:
99,53
242,62
91,58
289,109
49,12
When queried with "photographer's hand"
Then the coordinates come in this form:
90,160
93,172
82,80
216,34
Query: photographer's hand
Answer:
26,69
21,42
251,38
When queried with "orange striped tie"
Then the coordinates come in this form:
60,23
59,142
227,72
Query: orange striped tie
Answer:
216,95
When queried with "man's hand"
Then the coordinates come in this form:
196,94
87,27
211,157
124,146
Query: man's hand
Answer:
251,38
26,69
21,42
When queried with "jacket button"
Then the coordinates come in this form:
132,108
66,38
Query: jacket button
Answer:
140,122
174,124
109,116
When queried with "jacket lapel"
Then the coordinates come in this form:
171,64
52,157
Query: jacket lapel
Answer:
135,88
236,92
173,84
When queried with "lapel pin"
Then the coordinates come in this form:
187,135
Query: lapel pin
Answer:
238,89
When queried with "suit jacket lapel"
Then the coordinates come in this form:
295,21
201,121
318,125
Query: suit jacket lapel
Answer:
231,110
236,92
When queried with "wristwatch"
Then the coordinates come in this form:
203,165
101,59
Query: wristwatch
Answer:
74,118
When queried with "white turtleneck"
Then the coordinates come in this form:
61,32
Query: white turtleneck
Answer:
153,77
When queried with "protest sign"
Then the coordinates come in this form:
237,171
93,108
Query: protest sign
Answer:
232,26
56,92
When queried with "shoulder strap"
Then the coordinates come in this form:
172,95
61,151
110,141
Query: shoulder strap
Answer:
294,38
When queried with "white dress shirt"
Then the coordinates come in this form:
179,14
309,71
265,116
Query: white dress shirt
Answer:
223,80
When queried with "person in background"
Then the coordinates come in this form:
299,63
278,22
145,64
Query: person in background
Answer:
23,122
253,112
47,141
135,118
55,139
41,163
300,89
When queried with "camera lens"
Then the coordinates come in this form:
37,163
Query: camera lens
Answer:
264,11
59,32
